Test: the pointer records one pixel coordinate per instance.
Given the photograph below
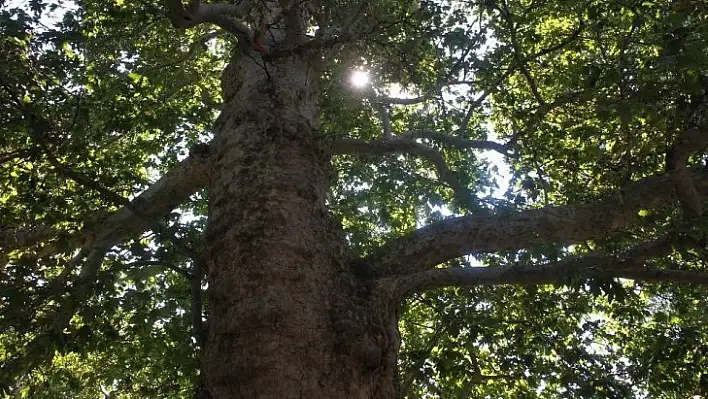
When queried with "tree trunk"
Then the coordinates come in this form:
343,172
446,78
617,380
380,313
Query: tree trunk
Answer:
287,318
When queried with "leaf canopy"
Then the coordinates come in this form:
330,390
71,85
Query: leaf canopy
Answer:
588,95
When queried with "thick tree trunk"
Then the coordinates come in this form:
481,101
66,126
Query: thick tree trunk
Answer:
287,319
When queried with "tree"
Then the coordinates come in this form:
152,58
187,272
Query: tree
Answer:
194,199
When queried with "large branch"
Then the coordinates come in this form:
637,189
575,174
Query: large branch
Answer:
459,142
138,215
13,238
164,195
552,273
356,146
134,216
688,143
385,120
224,15
403,145
159,199
419,99
328,43
455,237
403,101
630,264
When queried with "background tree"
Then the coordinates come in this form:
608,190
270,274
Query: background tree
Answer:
196,201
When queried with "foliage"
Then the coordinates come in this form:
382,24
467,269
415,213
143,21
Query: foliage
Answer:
590,94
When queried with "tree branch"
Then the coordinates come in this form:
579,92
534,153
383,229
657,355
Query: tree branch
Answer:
519,56
385,119
224,15
195,285
158,200
544,274
14,238
323,43
356,146
404,145
419,99
512,68
458,142
195,281
348,26
133,218
629,264
688,142
403,101
455,237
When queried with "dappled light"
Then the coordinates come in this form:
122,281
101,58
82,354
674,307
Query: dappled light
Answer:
394,199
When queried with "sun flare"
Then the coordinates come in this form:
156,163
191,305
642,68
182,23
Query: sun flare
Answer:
359,78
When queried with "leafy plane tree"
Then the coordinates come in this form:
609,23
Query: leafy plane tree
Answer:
196,202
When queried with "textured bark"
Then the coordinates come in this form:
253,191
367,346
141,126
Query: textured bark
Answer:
438,242
287,319
688,143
